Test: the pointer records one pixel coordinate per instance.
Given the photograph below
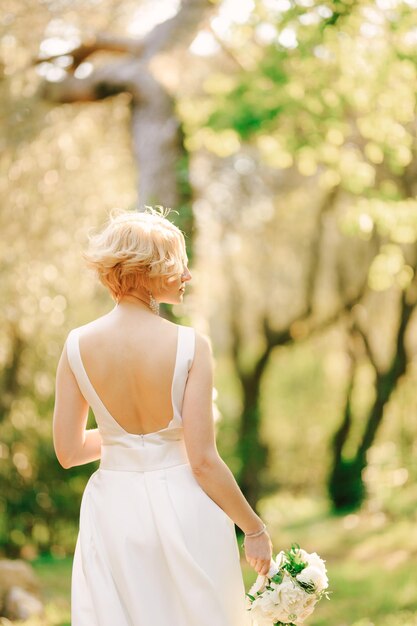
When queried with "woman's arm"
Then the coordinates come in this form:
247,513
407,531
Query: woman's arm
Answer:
210,470
215,477
74,445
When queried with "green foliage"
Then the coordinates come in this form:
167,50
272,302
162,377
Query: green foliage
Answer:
331,94
252,104
294,564
39,506
277,578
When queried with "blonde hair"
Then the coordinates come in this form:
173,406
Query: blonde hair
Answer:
137,249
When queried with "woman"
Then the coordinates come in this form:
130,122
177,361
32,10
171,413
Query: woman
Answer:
156,543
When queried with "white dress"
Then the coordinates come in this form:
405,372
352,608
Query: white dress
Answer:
153,549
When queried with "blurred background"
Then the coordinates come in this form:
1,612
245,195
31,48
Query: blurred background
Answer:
283,132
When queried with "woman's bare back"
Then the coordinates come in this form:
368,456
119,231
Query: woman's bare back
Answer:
129,357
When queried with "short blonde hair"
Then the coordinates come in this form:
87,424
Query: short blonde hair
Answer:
137,249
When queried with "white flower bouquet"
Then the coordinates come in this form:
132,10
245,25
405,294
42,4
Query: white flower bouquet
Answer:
287,595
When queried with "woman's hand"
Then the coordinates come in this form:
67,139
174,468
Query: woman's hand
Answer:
258,552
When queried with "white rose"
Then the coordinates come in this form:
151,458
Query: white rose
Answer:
276,611
314,576
303,554
259,617
290,599
280,615
280,559
307,610
262,620
266,603
313,559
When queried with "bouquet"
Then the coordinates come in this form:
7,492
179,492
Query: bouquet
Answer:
287,595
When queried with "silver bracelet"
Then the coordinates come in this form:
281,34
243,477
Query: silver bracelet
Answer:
257,533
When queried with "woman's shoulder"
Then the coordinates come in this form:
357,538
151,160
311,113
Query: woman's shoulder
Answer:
77,329
202,341
97,324
200,338
82,330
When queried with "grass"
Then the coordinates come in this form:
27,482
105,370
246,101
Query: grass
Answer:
370,556
55,577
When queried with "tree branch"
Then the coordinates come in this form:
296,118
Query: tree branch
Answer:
303,327
326,205
157,134
386,382
178,30
101,42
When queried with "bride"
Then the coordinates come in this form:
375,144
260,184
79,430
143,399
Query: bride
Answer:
156,544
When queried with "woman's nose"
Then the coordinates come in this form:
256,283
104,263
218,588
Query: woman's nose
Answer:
187,275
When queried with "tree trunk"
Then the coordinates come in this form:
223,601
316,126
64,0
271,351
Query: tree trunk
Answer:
344,487
345,484
252,452
157,136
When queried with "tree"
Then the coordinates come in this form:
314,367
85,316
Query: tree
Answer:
63,166
318,93
157,134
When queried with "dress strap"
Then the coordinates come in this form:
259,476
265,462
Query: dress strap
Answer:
185,357
76,365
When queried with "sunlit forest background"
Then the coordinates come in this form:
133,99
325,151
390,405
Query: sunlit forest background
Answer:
283,132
